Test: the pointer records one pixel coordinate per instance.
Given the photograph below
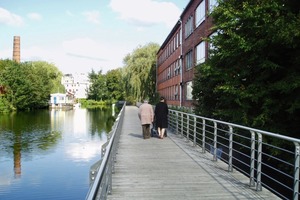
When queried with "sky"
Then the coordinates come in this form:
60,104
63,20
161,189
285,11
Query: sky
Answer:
79,36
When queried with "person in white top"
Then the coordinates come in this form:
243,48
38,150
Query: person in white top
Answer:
146,115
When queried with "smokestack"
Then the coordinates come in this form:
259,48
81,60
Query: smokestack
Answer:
16,51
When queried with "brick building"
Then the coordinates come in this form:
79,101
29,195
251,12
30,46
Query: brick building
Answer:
182,50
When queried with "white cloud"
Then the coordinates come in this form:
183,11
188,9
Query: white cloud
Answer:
92,16
83,151
9,18
34,16
146,12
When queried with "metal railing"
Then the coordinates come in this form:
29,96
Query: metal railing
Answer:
101,171
269,160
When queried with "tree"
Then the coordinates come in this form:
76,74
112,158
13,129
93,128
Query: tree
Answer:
253,74
140,72
27,85
114,84
97,90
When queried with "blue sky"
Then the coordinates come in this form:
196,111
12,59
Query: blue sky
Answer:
81,35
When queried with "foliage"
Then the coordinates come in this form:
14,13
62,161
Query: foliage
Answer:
97,90
252,76
140,73
92,103
26,85
114,84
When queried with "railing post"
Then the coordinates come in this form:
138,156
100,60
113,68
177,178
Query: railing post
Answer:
188,127
259,157
252,159
215,141
182,124
176,122
109,187
195,130
296,171
203,136
230,168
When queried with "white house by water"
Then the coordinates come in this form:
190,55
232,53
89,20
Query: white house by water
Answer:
62,100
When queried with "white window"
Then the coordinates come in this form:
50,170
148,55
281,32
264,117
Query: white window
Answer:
189,60
211,46
169,72
177,40
200,13
212,4
180,37
189,27
200,53
175,90
189,89
174,43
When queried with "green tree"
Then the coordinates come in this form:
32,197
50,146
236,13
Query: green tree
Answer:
140,72
27,85
115,86
97,90
252,76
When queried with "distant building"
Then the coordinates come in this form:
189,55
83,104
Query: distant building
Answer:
76,84
182,50
61,100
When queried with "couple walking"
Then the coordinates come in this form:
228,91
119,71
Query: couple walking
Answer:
147,116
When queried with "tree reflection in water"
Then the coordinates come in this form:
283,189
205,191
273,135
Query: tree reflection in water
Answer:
75,134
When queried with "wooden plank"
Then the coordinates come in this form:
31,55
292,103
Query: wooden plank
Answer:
172,168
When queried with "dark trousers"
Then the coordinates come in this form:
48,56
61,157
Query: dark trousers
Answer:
146,131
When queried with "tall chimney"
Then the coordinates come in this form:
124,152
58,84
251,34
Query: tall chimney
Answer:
16,51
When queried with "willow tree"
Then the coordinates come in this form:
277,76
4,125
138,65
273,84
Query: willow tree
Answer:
253,74
139,72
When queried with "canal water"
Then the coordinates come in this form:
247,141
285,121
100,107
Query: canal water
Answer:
47,154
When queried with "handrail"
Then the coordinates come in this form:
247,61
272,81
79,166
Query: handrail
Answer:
248,150
102,175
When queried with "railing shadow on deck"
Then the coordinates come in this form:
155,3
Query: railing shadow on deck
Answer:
101,171
248,150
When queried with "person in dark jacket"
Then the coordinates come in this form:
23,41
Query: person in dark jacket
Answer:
161,117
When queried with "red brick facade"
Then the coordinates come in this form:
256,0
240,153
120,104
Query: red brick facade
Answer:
193,26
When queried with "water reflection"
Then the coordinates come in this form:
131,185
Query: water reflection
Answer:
30,142
22,133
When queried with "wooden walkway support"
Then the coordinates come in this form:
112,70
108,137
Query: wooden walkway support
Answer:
172,168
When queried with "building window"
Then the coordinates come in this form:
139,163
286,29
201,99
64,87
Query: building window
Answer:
189,89
169,73
180,37
189,60
212,4
211,46
200,53
177,40
175,92
200,13
189,27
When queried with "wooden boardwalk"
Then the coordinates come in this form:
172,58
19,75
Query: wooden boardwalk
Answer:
171,168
